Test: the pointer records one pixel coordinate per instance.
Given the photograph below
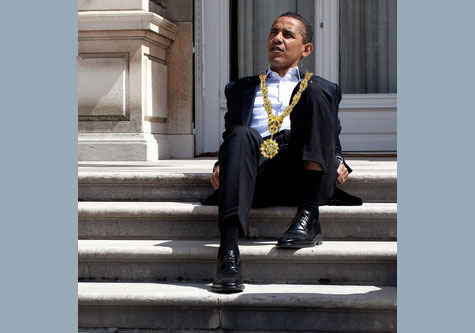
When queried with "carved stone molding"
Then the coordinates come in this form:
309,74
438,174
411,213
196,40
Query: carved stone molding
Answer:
126,20
103,86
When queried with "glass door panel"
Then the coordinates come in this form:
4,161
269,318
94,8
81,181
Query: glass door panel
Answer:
368,46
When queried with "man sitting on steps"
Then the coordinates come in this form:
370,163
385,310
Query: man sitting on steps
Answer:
281,147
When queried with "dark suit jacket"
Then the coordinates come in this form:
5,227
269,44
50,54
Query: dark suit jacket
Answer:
240,96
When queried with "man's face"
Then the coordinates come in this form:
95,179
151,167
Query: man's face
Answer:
285,45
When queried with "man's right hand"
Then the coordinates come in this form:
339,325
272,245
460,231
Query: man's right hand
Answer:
341,174
215,178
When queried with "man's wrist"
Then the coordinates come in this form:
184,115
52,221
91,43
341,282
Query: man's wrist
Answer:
340,160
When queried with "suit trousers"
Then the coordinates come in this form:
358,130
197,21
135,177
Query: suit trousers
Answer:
247,179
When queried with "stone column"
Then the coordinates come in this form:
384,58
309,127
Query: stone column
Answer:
123,89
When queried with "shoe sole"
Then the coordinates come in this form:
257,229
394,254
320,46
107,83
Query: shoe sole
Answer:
299,245
228,290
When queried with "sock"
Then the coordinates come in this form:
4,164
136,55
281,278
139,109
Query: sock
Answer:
229,235
311,184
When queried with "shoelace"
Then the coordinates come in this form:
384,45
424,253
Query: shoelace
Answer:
231,258
301,215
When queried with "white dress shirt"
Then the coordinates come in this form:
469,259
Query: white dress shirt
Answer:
279,90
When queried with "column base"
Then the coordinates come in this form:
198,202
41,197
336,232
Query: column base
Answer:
134,146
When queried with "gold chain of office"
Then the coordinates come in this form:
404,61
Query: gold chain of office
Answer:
269,147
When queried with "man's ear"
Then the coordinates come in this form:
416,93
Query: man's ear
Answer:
307,49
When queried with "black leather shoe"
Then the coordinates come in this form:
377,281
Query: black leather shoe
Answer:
304,231
228,277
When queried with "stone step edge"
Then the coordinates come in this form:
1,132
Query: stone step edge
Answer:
254,296
200,250
153,178
113,209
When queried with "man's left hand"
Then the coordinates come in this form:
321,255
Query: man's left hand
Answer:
341,174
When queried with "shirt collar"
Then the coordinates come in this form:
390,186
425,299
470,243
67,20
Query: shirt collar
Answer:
292,73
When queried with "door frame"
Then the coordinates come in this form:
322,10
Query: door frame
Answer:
369,121
211,72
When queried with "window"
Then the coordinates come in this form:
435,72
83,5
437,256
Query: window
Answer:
367,46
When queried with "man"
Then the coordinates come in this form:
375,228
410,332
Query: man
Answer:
253,172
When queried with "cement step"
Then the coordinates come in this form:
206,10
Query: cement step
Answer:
363,263
175,220
281,308
188,180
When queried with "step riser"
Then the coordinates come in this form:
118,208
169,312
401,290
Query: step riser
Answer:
384,229
373,192
369,192
143,192
231,318
253,272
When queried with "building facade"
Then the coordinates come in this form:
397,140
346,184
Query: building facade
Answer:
152,73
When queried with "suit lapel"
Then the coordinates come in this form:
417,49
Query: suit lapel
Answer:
248,96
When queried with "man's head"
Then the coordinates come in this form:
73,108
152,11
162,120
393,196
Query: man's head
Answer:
289,41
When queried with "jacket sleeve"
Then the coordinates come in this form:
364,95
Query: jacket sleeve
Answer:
227,121
338,149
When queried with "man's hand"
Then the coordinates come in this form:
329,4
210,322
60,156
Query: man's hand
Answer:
341,174
215,178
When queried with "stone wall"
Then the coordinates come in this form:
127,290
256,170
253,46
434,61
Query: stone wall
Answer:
135,77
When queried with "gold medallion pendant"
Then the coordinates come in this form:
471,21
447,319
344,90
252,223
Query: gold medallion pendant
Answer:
270,147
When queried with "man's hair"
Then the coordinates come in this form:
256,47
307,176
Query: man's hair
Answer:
305,29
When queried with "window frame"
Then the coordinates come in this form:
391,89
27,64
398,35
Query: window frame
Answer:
327,35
